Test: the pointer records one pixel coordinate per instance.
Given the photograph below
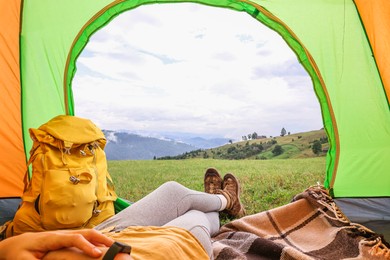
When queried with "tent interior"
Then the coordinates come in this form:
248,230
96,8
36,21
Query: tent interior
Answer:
343,45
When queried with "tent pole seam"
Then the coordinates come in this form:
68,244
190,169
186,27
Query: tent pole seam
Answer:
69,108
373,54
20,81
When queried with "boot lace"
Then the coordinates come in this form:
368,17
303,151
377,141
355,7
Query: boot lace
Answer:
321,195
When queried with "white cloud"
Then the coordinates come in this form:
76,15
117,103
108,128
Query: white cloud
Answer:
193,68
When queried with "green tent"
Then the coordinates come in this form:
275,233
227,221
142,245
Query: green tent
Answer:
343,45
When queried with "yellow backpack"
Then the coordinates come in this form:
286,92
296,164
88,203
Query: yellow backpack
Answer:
70,186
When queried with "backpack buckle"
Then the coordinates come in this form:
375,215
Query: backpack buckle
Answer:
74,180
96,212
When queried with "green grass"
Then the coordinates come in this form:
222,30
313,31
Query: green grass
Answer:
265,184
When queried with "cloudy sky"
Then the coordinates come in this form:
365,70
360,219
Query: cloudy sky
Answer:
193,69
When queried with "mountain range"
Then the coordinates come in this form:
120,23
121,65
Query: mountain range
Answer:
123,145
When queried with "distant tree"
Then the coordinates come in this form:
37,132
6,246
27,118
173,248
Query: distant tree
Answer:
288,133
249,136
277,150
154,157
317,147
230,141
244,138
283,132
254,136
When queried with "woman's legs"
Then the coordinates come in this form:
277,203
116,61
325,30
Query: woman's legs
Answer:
163,205
172,204
201,225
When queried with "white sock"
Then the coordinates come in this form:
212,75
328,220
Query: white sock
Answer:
223,201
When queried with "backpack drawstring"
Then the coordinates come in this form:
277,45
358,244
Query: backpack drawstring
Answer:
65,148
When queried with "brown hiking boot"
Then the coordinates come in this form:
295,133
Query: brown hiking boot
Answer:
231,190
212,181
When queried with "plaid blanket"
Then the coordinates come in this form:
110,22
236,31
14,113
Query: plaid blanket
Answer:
310,227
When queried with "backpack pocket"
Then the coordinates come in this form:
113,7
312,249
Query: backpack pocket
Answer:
68,198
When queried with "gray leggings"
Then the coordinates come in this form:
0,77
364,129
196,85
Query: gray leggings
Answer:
172,204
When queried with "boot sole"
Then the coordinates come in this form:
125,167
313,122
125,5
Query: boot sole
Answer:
210,175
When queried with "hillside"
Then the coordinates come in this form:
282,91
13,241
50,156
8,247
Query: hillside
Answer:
297,145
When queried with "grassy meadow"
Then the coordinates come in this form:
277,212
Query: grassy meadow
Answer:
265,184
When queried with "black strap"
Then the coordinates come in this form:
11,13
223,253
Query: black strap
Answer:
115,249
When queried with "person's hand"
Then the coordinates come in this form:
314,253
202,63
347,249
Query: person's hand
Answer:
37,245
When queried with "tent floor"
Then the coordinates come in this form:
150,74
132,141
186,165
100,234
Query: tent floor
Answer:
373,213
8,207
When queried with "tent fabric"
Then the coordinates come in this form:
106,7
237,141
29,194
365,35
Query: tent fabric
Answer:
12,155
326,30
376,18
331,37
48,30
